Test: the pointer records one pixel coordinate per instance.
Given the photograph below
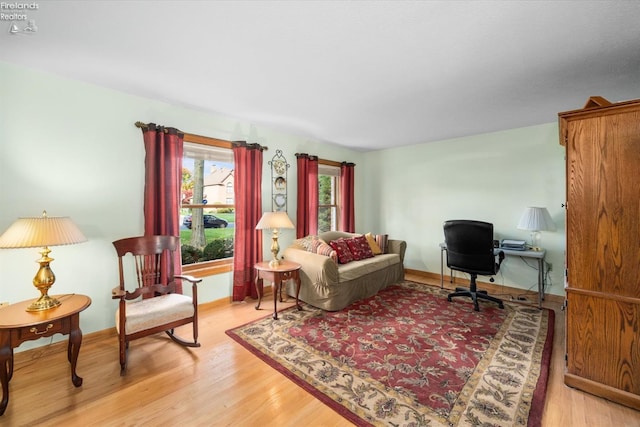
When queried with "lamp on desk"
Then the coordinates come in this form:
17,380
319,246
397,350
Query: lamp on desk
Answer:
42,231
274,221
536,219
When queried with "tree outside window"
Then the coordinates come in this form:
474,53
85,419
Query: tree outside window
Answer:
207,211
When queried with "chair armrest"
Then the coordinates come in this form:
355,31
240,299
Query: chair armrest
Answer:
117,293
188,278
194,286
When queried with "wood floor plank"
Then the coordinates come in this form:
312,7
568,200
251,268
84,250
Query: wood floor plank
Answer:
219,384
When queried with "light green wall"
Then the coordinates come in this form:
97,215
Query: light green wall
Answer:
72,148
491,177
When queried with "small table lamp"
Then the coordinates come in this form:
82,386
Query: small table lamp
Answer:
43,231
274,221
536,220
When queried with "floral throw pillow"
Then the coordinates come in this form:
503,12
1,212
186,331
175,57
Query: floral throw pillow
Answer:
320,247
359,247
305,243
342,249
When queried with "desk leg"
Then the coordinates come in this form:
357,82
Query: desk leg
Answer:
6,370
75,340
540,282
441,268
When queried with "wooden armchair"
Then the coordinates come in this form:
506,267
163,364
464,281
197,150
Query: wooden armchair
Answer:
153,306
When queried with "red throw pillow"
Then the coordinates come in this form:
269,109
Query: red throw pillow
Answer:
359,247
342,249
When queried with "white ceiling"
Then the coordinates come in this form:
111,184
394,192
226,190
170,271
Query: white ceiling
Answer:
361,74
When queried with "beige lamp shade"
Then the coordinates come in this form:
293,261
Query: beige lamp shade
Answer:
274,220
34,232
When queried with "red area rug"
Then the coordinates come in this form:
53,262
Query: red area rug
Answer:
408,357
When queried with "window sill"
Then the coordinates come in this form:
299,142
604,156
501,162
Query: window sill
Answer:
209,268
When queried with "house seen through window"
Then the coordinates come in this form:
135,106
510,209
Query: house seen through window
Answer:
207,213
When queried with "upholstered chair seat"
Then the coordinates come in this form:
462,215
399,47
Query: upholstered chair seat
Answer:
147,313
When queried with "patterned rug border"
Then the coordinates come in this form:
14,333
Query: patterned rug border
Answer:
540,392
538,395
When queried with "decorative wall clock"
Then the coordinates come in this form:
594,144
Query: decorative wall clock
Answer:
279,168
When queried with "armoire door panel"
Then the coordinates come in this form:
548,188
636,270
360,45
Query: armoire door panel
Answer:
596,353
603,186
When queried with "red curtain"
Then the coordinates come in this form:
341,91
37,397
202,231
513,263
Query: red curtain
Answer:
307,216
248,200
163,180
347,215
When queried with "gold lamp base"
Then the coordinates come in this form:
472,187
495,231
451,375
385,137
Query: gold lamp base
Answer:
274,263
275,248
43,280
45,302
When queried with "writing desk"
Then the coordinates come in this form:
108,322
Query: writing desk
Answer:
537,255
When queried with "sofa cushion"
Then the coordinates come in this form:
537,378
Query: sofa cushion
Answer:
342,249
355,270
360,248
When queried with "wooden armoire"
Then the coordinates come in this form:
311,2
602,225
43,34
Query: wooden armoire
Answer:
602,286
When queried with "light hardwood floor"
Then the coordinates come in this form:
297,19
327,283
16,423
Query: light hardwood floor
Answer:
218,384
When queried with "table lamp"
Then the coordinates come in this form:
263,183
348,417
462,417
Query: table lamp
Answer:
536,219
274,221
43,231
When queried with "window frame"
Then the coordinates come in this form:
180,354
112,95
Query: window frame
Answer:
336,204
218,266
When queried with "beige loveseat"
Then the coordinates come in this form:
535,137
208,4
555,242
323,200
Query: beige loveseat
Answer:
332,286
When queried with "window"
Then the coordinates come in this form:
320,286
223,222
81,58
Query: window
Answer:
328,208
207,214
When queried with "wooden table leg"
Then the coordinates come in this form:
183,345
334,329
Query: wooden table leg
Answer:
258,290
75,340
6,370
276,286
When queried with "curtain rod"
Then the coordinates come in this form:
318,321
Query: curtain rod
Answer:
145,126
324,161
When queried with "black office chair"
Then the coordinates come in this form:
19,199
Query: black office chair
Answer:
470,250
